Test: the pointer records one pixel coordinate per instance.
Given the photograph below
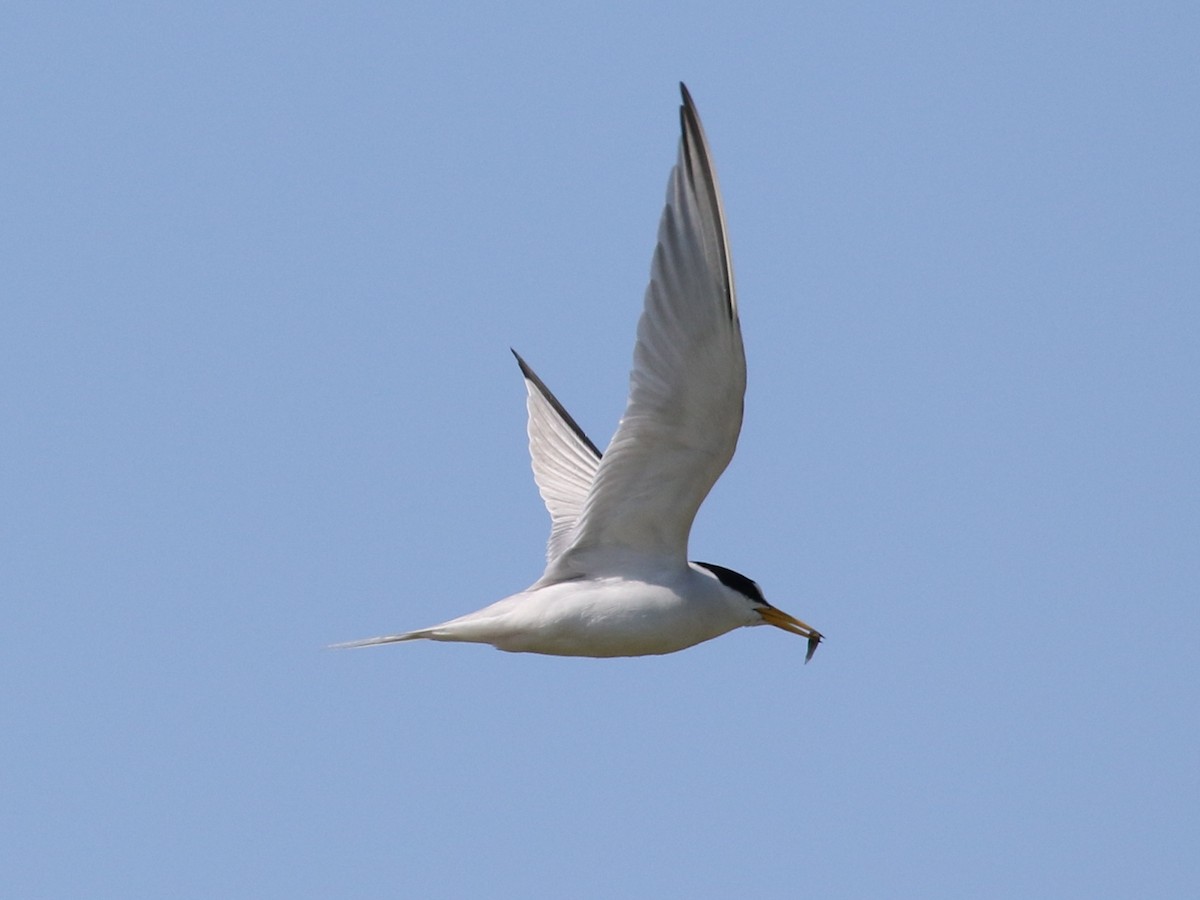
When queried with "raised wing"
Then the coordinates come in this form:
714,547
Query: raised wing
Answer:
684,413
564,460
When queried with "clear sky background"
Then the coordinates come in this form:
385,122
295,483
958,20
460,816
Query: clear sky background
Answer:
262,265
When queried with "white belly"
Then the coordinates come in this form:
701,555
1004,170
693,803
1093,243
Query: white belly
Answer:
600,617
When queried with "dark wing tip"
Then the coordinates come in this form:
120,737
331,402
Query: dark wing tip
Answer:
689,124
700,172
549,397
525,370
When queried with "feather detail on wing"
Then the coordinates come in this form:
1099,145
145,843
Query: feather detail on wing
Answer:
684,413
564,460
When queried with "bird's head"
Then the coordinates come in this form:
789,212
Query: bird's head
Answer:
768,614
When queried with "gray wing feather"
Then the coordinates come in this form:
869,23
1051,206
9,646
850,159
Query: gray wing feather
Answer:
564,460
684,413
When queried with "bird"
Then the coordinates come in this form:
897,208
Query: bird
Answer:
617,581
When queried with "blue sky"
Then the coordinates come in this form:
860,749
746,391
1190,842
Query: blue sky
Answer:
262,268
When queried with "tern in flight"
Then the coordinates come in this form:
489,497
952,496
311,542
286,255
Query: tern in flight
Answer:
618,581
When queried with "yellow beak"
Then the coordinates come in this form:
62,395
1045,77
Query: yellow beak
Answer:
780,619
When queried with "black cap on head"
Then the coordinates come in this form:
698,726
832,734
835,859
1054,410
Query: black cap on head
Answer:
737,581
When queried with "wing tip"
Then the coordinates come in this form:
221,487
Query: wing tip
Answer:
689,118
525,370
537,384
697,157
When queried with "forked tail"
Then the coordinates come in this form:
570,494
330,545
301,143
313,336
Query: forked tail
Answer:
384,639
